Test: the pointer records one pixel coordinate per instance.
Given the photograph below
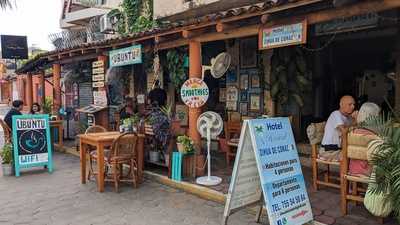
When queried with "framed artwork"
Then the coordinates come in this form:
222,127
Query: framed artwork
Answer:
248,53
243,108
255,102
231,76
255,81
232,94
244,81
231,105
243,96
222,94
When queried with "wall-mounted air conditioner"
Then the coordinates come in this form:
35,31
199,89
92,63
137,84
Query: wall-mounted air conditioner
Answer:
105,24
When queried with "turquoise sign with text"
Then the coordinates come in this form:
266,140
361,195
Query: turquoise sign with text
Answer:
126,56
31,142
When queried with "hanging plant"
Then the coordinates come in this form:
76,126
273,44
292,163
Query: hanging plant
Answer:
290,78
175,62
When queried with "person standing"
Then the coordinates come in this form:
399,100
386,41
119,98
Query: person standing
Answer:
16,109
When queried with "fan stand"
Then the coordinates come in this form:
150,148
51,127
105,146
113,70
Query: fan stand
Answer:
209,180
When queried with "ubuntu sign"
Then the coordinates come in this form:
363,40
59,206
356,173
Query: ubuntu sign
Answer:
194,92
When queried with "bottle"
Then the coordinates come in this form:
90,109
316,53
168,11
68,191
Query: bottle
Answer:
121,128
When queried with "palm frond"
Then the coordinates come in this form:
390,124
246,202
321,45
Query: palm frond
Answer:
4,4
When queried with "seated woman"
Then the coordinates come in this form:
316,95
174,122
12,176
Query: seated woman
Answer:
361,167
35,109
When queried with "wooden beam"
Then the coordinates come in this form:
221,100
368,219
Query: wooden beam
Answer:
159,39
223,27
265,18
192,33
173,44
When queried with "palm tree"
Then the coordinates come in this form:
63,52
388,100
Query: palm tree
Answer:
386,160
4,4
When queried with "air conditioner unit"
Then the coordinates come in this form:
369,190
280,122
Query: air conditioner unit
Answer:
105,24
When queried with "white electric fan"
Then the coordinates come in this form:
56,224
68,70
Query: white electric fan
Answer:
209,125
219,65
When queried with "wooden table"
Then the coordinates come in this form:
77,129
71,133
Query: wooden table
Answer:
101,140
59,125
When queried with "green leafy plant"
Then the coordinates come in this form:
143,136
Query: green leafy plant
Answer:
6,154
167,110
386,160
291,79
133,16
131,121
175,62
186,142
47,105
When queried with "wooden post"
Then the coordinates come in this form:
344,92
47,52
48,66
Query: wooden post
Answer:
29,91
42,88
194,113
56,87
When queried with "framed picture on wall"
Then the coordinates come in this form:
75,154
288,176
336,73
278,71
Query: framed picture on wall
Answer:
255,81
222,94
232,93
248,52
243,108
231,76
243,96
255,102
231,105
244,81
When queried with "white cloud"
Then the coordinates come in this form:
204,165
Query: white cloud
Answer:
33,18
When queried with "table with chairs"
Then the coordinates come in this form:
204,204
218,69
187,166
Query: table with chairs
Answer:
111,151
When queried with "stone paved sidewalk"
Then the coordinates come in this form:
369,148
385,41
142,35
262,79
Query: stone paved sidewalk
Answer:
41,198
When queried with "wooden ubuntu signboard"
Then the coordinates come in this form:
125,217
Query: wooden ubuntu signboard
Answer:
194,92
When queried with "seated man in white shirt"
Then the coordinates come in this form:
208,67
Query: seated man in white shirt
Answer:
337,121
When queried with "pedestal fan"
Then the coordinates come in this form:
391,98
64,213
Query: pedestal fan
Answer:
209,125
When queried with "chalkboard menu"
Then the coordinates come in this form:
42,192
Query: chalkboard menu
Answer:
31,142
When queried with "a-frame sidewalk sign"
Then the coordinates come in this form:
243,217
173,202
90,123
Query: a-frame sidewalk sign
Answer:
31,142
267,171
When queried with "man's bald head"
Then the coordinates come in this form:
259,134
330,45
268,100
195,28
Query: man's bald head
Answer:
347,105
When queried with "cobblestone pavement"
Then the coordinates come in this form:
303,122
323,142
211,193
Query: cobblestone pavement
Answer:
41,198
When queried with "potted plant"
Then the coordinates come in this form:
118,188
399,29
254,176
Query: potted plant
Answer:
7,158
185,144
130,124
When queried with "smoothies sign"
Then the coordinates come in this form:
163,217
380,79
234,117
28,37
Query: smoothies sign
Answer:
194,93
31,142
126,56
267,160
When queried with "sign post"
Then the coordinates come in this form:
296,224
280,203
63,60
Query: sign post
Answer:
282,35
267,167
31,142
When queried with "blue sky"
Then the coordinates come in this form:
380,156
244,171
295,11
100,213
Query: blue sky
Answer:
33,18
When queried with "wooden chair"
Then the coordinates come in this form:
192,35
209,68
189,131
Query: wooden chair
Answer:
123,151
315,135
232,131
7,132
90,130
355,146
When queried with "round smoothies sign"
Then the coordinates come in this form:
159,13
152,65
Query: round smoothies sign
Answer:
194,92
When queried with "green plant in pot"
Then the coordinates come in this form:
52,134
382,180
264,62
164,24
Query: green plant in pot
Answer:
7,159
185,144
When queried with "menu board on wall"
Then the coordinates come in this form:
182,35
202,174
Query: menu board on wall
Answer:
267,160
31,142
